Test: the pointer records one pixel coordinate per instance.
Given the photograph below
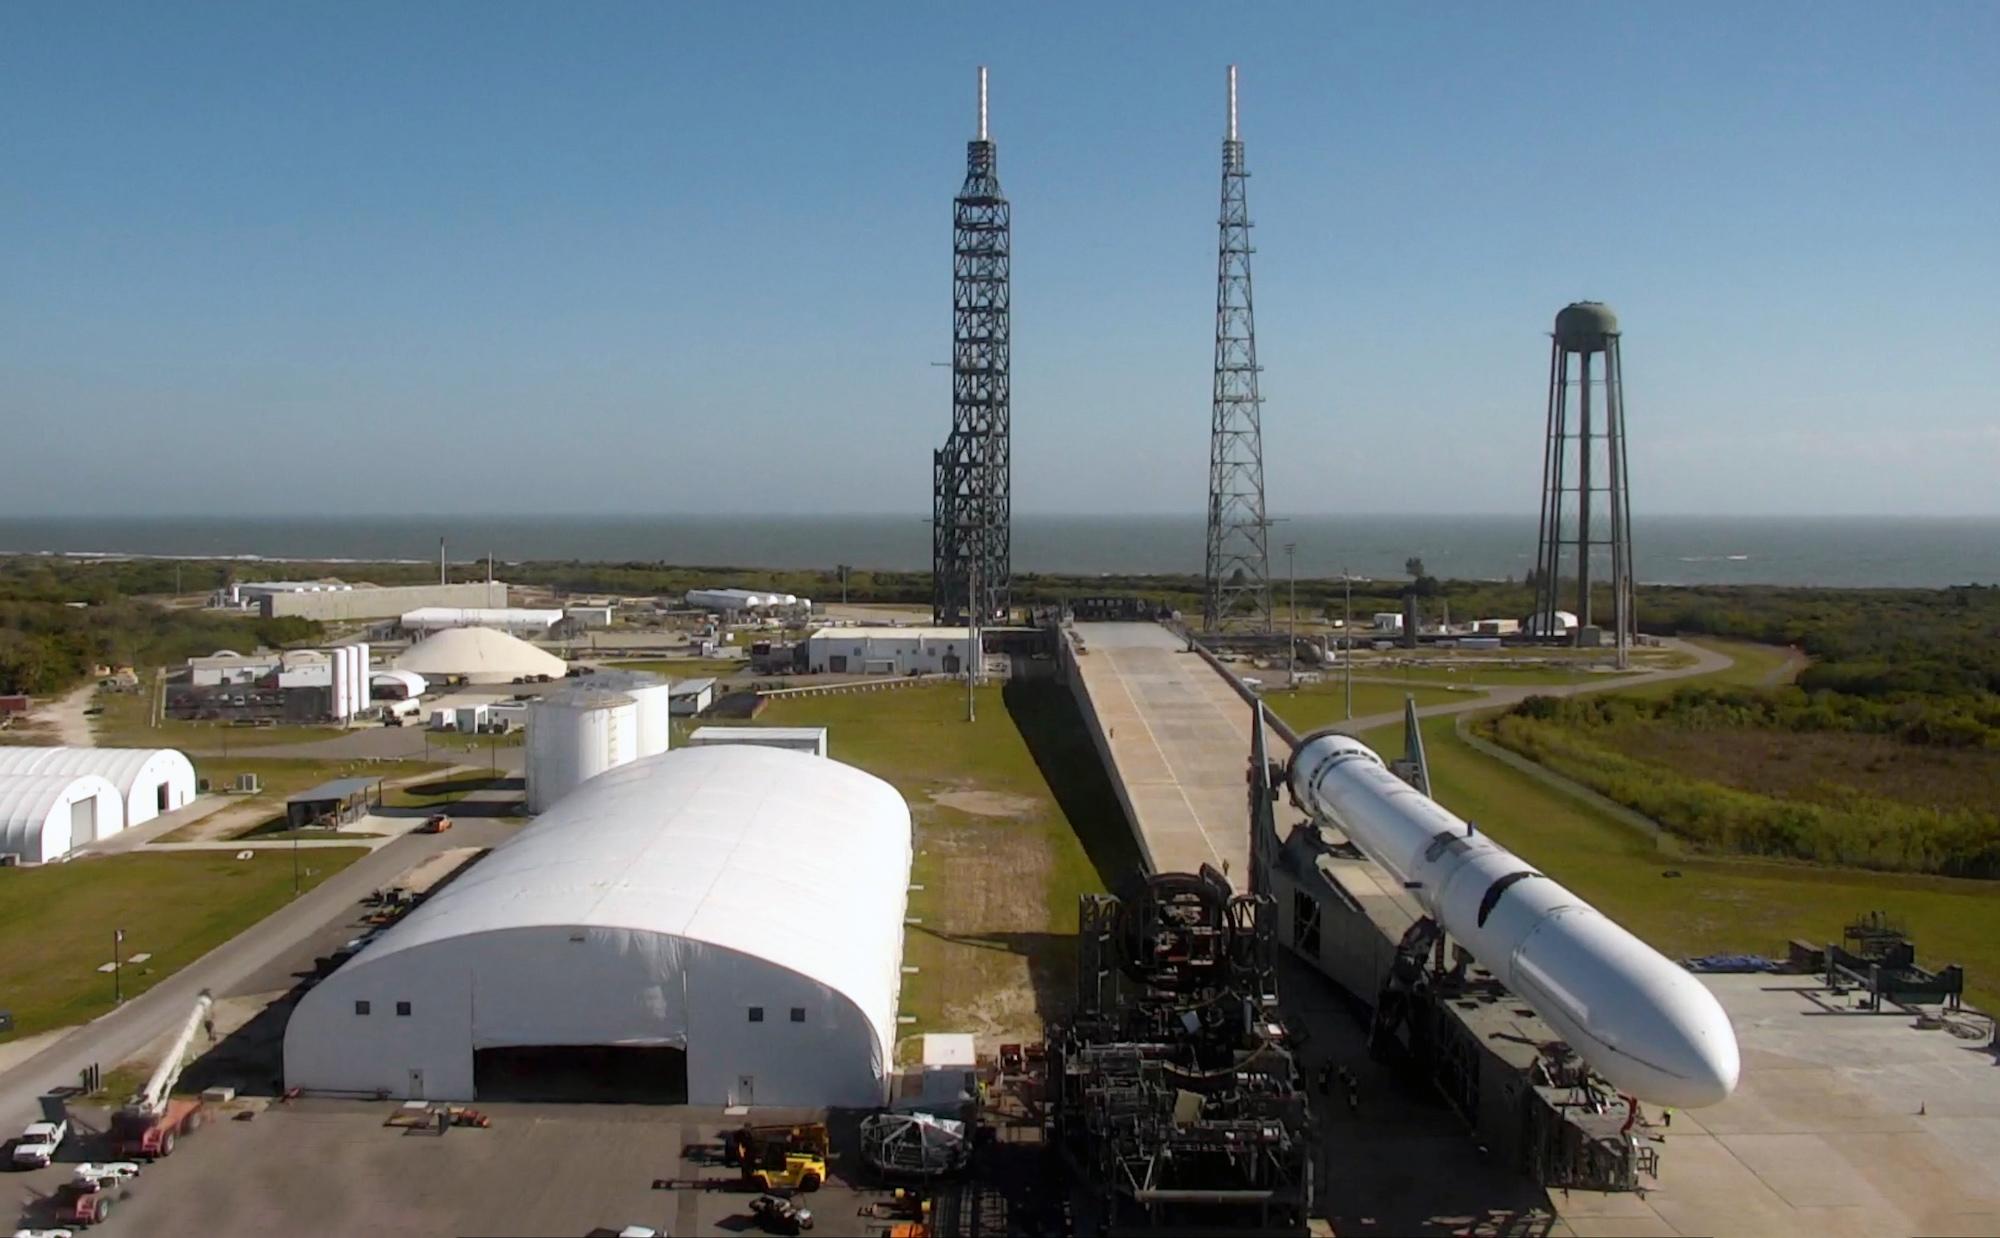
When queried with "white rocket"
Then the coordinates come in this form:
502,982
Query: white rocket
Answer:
1647,1026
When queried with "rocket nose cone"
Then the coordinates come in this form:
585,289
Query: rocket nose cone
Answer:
1705,1063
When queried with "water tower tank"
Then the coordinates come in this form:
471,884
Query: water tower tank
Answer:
575,736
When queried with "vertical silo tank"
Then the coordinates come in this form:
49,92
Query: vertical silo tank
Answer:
573,737
337,658
361,677
353,689
652,696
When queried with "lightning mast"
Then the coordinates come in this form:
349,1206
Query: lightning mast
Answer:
1238,571
971,498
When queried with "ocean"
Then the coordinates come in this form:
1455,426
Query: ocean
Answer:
1922,552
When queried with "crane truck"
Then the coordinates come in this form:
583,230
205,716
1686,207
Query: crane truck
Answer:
148,1124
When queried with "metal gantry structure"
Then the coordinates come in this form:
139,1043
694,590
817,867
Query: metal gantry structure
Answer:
971,499
1238,572
1583,470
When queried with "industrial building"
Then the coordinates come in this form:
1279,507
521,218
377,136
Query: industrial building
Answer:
295,685
395,685
479,656
725,601
150,781
45,816
532,622
811,739
336,602
576,734
889,651
714,926
692,696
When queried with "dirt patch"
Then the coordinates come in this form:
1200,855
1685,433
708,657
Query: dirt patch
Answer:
1827,767
988,803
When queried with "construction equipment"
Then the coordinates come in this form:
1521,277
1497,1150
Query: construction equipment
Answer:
775,1215
775,1158
149,1123
87,1199
915,1145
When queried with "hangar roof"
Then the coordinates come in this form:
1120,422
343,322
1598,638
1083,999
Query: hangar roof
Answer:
779,855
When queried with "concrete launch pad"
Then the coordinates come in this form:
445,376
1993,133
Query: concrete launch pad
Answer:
1175,737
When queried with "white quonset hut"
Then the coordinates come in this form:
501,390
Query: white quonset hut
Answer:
714,925
150,781
45,816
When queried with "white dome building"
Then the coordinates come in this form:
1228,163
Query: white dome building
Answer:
480,655
712,926
150,781
43,817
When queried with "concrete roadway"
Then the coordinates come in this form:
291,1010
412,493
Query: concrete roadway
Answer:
1178,735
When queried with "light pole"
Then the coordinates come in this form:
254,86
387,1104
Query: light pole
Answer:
295,863
117,968
1347,635
1292,639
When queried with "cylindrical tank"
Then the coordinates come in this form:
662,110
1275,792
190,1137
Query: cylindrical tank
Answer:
337,658
653,696
353,689
575,736
362,678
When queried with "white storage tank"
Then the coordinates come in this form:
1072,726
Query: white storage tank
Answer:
341,694
362,677
575,736
653,695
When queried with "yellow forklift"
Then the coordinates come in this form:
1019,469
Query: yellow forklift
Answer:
780,1158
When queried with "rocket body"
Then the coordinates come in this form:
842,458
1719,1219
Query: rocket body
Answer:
1638,1018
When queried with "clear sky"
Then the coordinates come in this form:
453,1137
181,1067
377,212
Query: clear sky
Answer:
663,258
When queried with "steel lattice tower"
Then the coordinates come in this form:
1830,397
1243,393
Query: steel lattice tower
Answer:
1583,467
972,506
1238,573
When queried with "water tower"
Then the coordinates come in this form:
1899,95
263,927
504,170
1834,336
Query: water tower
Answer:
1586,506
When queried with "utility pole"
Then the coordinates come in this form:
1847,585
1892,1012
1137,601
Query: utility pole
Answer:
117,968
974,656
295,863
1347,635
844,569
1292,640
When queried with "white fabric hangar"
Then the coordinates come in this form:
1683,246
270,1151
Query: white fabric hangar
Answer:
709,925
150,780
45,816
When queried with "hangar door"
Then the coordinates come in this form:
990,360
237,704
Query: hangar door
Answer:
83,821
602,1074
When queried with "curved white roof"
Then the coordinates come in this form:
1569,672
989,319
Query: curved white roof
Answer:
782,856
412,682
26,800
481,654
122,766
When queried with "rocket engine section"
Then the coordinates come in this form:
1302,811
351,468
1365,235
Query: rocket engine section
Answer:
1640,1020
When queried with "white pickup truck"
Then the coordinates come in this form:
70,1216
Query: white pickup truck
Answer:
37,1145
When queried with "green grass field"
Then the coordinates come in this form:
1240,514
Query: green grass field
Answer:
1751,665
1015,819
1717,904
1321,705
1497,676
58,920
279,777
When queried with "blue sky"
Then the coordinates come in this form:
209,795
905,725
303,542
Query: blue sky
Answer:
664,258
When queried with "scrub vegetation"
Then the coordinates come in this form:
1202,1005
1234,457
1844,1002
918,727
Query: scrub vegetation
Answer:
1882,754
1015,819
58,920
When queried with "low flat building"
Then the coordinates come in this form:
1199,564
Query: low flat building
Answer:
349,602
691,696
888,651
425,619
333,803
728,600
810,739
